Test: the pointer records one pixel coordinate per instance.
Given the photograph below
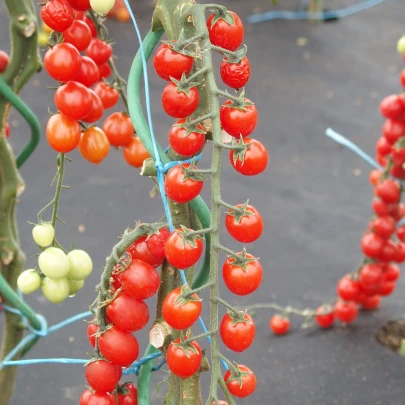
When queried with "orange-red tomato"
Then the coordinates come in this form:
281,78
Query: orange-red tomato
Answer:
63,133
135,153
119,129
94,145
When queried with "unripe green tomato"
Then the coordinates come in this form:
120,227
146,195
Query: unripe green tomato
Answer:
401,45
29,281
54,263
55,291
75,286
102,6
43,234
80,264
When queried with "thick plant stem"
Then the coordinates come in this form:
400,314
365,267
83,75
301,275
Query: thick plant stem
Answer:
23,64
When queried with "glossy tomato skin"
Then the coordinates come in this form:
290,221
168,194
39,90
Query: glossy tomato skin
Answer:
94,145
393,130
103,376
254,161
346,311
186,145
178,188
81,5
237,335
180,316
73,100
99,51
392,272
104,71
150,249
57,14
178,104
182,255
108,95
388,190
370,278
225,35
183,364
130,398
371,303
169,63
347,288
240,281
135,153
248,383
91,25
78,34
235,75
62,133
140,280
92,329
118,346
238,121
280,325
248,228
62,62
119,129
127,313
392,107
384,226
4,59
325,316
374,177
88,72
97,398
372,245
97,109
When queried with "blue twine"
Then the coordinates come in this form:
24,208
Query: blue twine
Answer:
353,147
161,169
304,15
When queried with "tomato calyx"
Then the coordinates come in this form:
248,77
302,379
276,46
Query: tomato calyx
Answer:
190,127
239,103
241,259
237,374
184,85
188,236
191,172
225,15
239,212
239,148
181,45
186,296
54,38
122,388
235,57
186,345
238,317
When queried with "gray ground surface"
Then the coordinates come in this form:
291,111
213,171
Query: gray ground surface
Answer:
314,198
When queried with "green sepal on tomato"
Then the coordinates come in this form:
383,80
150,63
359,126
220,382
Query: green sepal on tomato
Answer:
184,359
241,381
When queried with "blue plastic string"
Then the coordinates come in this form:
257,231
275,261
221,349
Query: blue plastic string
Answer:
161,169
303,15
353,147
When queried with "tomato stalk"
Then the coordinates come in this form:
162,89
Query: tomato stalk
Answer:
24,63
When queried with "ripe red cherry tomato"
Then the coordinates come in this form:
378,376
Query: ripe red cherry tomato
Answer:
91,25
392,272
118,346
384,226
325,316
108,95
383,147
279,324
251,162
370,303
94,145
400,252
99,51
180,253
181,188
372,245
135,153
92,329
180,315
238,121
169,63
88,73
374,177
97,109
73,100
387,288
150,249
179,104
346,311
183,362
103,376
186,143
78,34
140,280
81,5
240,280
62,62
370,278
245,387
130,398
127,313
226,35
4,59
388,252
392,107
62,133
244,228
57,14
97,398
347,288
235,75
119,129
237,334
104,71
388,190
393,130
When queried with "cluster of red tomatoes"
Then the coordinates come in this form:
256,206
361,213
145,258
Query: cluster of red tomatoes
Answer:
126,313
80,107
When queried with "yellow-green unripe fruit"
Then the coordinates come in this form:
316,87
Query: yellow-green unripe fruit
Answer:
29,281
102,6
43,234
80,264
401,45
55,291
54,263
75,286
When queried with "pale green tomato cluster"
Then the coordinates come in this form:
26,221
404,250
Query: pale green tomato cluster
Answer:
401,45
62,274
102,7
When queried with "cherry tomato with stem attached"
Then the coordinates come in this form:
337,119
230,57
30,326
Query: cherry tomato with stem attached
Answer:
78,34
178,103
235,75
62,133
94,145
103,376
325,316
346,311
238,120
241,385
57,14
244,227
119,129
238,332
226,32
99,51
62,62
184,361
252,161
108,95
184,142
